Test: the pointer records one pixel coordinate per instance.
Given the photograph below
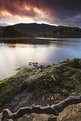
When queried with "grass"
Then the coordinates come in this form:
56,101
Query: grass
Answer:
11,86
14,38
57,78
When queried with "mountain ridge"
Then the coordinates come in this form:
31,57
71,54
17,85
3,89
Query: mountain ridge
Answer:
41,30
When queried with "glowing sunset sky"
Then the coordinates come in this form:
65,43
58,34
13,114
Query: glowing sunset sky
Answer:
58,12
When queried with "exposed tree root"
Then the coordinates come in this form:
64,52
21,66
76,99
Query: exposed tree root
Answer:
54,109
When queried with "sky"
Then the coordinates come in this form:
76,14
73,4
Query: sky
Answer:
56,12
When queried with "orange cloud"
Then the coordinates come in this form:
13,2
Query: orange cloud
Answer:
52,11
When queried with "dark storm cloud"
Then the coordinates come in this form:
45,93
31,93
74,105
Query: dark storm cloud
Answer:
61,11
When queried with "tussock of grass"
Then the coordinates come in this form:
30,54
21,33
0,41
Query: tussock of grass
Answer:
57,78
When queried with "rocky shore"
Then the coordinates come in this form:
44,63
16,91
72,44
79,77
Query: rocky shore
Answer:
43,86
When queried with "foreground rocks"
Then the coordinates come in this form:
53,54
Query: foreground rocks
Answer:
43,86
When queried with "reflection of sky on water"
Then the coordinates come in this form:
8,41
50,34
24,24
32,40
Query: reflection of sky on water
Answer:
13,56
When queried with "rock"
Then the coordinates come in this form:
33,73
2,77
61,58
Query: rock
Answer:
54,118
34,117
71,113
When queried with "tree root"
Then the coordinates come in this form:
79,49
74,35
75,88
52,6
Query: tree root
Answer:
53,109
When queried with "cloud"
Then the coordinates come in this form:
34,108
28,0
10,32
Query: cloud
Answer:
66,12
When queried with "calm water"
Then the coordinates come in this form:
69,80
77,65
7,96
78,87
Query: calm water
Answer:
13,56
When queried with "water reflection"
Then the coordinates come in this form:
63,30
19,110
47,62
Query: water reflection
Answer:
13,56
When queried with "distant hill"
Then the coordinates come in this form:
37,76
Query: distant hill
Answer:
10,31
41,30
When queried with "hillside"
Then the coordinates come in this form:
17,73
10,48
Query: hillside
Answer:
41,30
42,86
10,32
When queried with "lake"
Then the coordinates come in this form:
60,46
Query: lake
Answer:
14,55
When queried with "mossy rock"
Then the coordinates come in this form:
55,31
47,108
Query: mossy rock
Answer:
63,78
10,87
57,78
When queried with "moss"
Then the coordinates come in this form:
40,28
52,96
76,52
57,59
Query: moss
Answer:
57,78
24,72
12,86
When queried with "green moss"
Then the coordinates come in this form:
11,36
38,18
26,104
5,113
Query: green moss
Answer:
11,86
57,78
24,72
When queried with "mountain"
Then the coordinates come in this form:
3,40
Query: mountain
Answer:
34,29
41,30
10,31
